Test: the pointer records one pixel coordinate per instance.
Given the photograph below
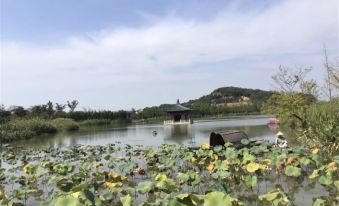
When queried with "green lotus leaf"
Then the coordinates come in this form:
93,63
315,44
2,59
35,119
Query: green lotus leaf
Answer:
251,181
219,199
336,183
318,202
273,195
325,180
165,184
292,171
183,177
144,187
64,200
190,199
245,141
126,200
305,161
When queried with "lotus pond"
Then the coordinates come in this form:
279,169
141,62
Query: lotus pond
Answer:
167,175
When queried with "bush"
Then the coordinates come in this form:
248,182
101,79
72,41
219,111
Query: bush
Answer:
65,124
95,122
322,121
25,128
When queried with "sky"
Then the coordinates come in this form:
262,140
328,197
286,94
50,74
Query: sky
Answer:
123,54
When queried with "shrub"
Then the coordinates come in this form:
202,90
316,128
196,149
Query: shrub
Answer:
25,128
95,122
65,124
322,120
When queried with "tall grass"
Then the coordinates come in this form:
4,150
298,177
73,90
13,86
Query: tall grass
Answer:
323,125
96,122
28,128
25,129
65,124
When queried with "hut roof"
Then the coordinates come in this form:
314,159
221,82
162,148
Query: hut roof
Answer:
178,108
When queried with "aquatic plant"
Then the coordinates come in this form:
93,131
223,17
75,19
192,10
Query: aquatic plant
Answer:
167,175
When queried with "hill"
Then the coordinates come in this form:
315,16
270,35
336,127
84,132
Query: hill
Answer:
224,100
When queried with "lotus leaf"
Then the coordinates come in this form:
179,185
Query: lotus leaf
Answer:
292,171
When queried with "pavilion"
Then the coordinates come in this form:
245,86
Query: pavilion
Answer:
178,114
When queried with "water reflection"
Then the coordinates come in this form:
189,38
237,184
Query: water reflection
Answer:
194,134
178,134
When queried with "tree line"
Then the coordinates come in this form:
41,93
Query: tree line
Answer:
52,110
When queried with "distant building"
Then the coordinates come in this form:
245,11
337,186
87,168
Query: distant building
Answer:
178,114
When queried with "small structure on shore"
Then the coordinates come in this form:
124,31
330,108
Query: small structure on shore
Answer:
178,115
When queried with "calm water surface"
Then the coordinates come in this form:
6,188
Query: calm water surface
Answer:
194,134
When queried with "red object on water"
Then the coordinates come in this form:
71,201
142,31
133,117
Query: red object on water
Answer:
273,121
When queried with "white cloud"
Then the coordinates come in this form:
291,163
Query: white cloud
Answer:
111,58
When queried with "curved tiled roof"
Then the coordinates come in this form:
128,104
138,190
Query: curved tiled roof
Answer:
178,108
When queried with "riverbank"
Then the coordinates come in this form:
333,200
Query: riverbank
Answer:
23,129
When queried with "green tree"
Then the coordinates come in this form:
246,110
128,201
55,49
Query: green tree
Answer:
72,105
19,111
4,114
50,109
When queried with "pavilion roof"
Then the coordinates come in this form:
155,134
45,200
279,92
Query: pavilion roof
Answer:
178,108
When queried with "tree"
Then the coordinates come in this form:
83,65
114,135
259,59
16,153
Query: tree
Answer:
4,114
19,111
310,87
288,103
287,80
59,107
39,110
50,109
331,87
72,105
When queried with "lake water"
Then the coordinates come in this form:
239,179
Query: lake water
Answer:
194,134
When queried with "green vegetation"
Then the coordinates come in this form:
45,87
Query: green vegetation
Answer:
169,175
65,124
103,122
315,122
27,128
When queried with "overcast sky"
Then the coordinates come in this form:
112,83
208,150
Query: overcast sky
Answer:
121,54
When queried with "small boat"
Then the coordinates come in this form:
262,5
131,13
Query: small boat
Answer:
154,133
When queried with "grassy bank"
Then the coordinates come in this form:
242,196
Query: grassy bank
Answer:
103,122
19,129
27,128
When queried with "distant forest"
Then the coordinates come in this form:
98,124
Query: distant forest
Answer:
225,100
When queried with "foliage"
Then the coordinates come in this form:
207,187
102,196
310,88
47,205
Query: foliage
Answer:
289,107
72,105
168,175
28,128
65,124
323,119
25,128
4,114
99,115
